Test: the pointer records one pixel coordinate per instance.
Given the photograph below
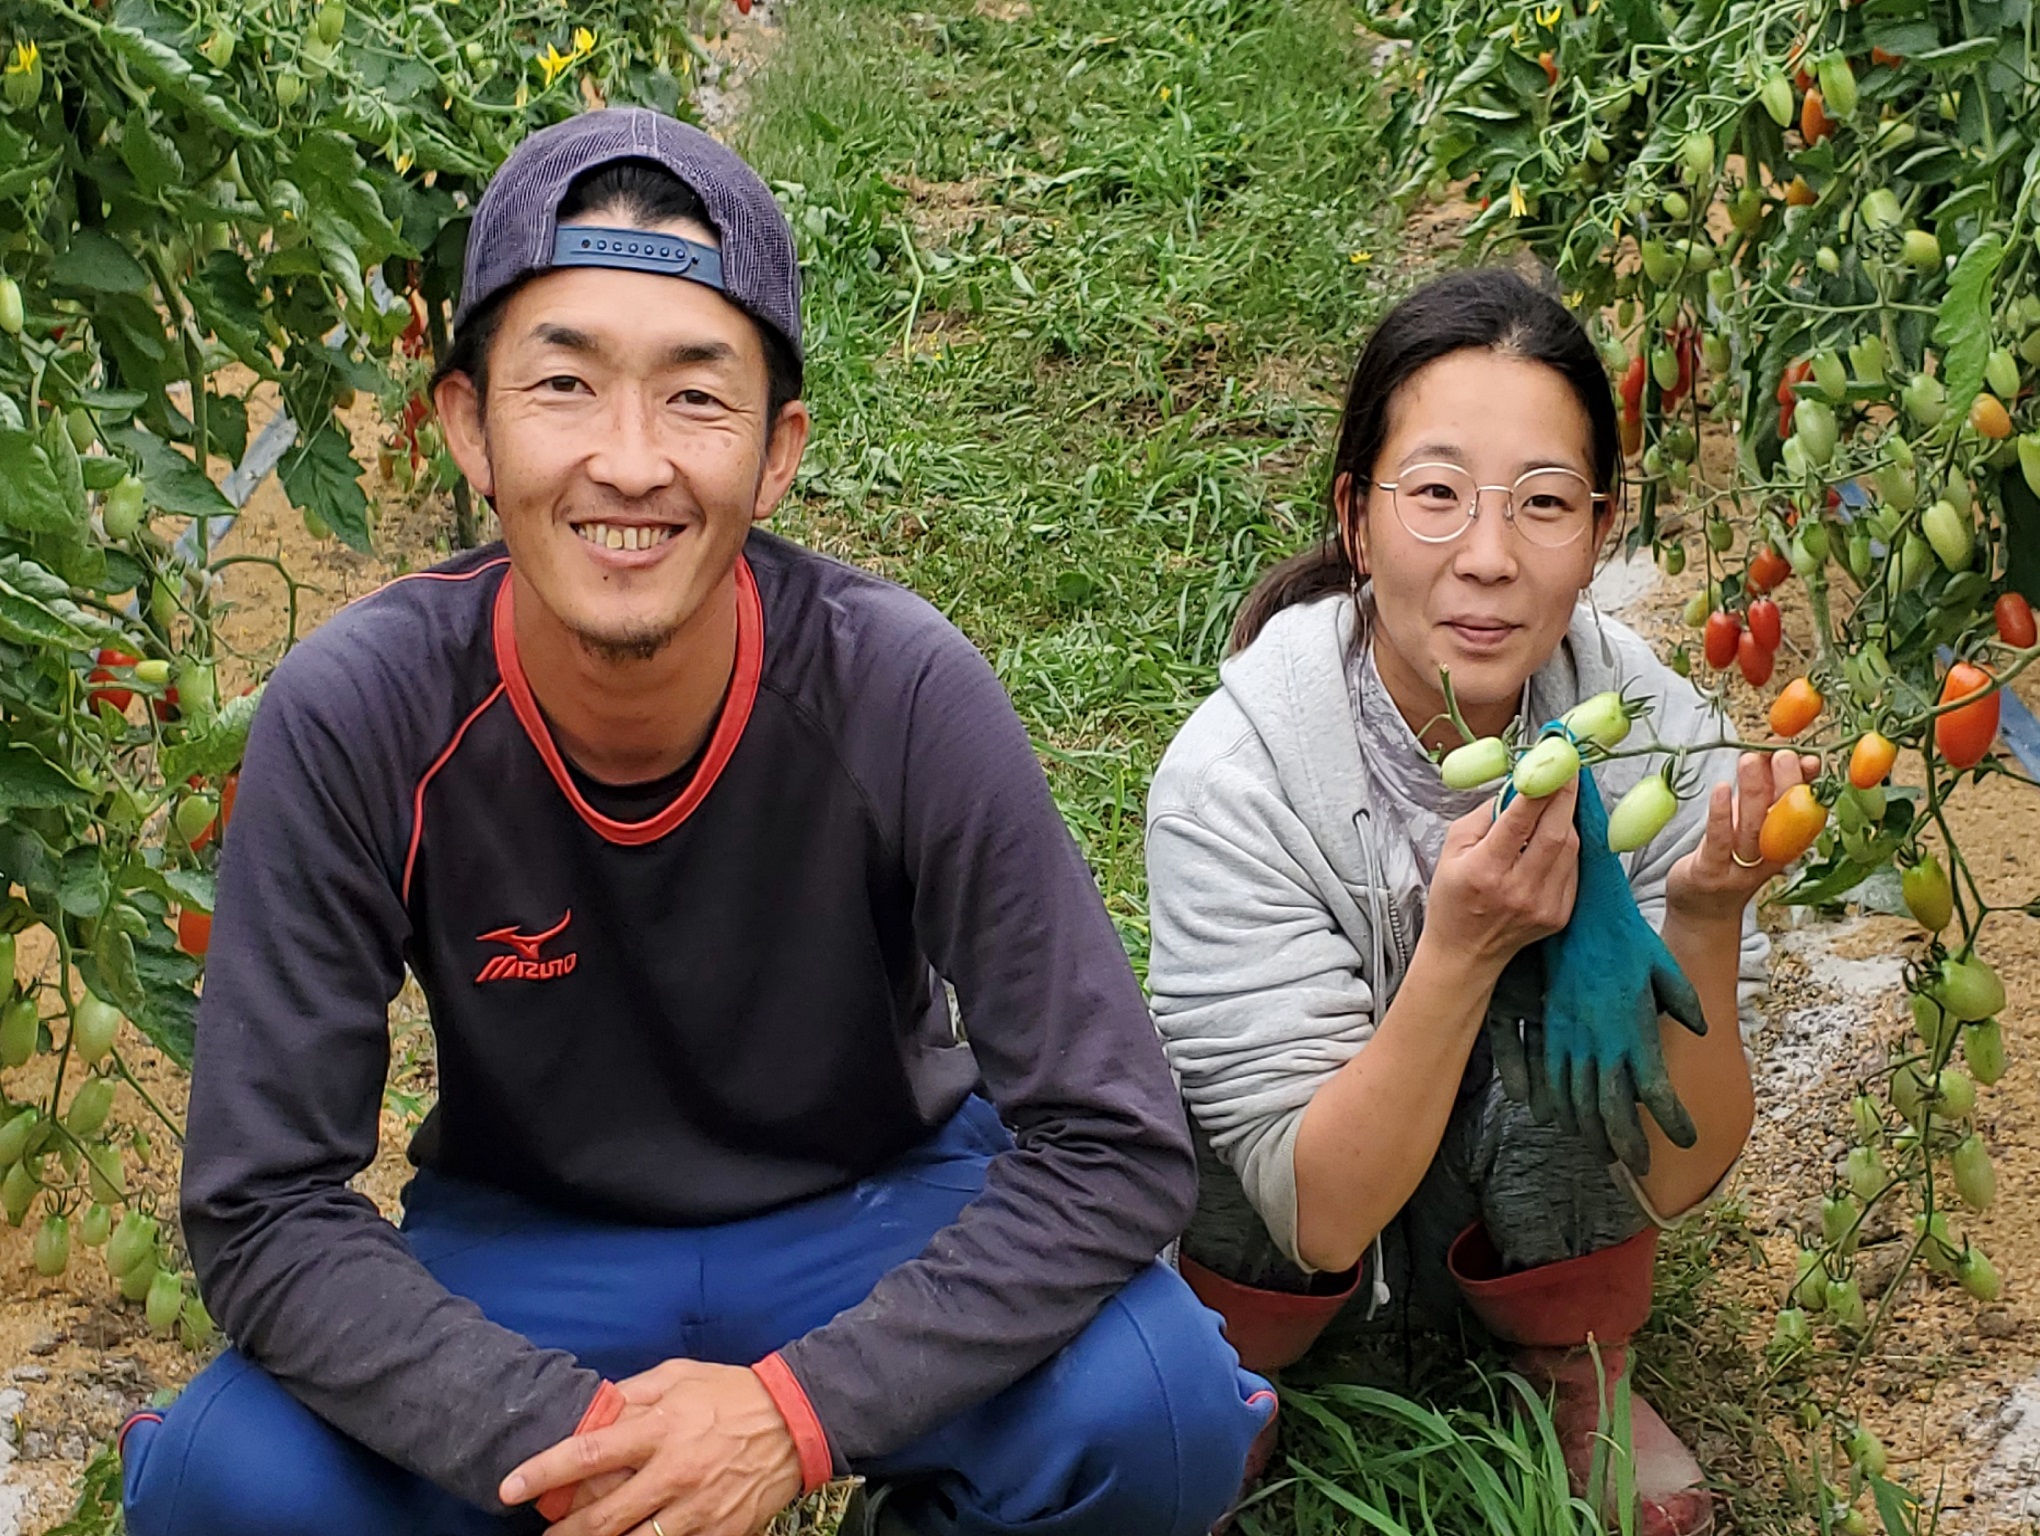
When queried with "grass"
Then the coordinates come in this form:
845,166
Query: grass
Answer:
1082,285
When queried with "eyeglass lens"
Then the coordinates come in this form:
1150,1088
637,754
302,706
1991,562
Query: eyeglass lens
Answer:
1435,502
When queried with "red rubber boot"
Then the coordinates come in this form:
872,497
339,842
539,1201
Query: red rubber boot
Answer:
1267,1330
1550,1313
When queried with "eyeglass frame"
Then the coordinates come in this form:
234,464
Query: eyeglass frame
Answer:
1595,500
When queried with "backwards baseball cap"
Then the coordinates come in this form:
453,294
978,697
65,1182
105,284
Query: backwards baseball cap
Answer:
516,230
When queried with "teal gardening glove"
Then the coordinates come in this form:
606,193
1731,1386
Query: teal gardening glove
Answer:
1573,1022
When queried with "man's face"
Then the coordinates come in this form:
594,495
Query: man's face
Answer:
624,444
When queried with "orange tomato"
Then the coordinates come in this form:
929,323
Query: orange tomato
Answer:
227,792
1870,762
1814,123
1791,825
1798,194
1964,734
1988,415
1796,708
1549,65
194,932
1887,59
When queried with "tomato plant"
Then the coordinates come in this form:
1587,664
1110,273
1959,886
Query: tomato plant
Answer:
199,202
1840,200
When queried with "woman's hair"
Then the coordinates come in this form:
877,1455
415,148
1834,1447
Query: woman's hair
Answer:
1490,309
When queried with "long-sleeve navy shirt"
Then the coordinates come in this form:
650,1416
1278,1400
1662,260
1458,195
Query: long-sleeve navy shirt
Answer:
727,1002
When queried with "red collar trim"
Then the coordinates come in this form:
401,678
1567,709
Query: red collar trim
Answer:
722,745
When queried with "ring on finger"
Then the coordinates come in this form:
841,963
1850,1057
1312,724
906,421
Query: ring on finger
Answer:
1743,863
657,1529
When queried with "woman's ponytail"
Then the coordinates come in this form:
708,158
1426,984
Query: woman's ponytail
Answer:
1301,578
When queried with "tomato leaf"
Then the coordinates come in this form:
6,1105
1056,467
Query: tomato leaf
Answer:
319,474
174,482
168,1010
156,59
83,888
1956,56
31,782
97,263
181,887
1962,328
36,610
219,750
31,496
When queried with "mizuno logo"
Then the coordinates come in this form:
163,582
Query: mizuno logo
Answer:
523,962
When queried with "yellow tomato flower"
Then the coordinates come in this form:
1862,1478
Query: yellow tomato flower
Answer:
554,63
1549,18
25,58
1518,203
584,40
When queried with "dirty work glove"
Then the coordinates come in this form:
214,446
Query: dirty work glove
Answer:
1607,978
1515,1026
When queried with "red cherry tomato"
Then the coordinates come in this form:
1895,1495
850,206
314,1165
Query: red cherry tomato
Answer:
117,697
1632,384
227,792
1685,342
1718,641
1765,623
1756,662
1963,735
1767,570
2015,621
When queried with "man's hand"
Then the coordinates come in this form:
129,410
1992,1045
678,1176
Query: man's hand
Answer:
700,1447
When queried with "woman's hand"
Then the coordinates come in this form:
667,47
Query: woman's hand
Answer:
1505,881
1716,880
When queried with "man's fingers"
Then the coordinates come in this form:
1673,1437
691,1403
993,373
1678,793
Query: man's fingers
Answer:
620,1448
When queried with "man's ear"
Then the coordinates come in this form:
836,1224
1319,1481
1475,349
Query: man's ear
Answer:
782,457
460,417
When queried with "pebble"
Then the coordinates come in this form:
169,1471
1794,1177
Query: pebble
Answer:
1997,1323
28,1373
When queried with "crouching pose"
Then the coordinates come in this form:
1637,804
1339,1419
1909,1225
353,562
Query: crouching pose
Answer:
682,830
1413,1033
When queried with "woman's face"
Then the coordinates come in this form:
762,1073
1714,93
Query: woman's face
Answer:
1490,605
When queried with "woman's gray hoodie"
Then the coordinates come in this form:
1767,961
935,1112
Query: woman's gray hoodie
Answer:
1291,833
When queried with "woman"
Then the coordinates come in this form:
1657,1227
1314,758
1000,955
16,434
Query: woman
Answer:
1330,921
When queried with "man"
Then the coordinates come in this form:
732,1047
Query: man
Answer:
682,829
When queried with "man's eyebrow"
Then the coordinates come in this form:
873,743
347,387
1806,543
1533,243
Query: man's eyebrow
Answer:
681,355
566,338
687,353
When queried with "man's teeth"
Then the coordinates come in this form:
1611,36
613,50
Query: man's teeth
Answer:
623,535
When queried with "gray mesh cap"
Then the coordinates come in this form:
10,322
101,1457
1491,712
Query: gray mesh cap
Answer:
514,232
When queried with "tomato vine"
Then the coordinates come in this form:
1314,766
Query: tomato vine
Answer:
1804,229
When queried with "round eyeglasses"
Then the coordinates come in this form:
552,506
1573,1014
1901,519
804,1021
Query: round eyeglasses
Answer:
1436,503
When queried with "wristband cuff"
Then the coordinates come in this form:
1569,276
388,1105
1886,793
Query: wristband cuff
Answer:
817,1461
555,1503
